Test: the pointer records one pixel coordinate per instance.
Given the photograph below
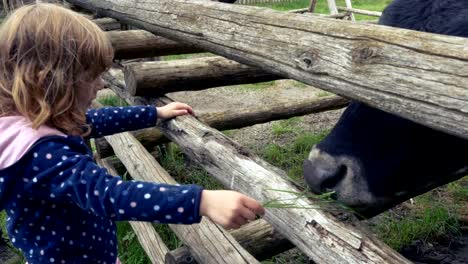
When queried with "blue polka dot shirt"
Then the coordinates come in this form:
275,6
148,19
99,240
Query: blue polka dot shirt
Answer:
62,206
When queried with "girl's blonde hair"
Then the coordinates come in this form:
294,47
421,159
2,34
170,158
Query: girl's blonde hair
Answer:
47,54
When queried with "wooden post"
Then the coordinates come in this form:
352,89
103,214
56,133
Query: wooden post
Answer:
107,23
131,44
416,75
312,5
317,234
332,7
348,5
258,237
226,119
149,239
208,243
161,77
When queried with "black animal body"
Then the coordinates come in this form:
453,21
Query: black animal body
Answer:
374,160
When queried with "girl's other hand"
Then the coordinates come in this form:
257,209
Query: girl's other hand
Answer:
229,209
173,109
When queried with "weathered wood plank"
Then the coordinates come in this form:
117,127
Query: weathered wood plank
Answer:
149,239
157,78
258,237
224,120
107,23
208,242
416,75
316,233
131,44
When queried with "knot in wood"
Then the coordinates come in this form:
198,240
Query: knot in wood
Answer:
306,61
362,55
206,134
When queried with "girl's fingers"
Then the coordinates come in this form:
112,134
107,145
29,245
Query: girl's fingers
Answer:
254,206
233,226
179,112
248,214
190,110
186,107
240,221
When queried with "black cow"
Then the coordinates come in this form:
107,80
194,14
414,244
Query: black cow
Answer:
374,160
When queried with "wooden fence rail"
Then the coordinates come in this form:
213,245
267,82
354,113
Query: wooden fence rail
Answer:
419,76
319,235
254,2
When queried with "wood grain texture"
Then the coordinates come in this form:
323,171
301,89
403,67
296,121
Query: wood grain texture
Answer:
157,78
257,237
208,242
150,241
224,120
317,234
131,44
419,76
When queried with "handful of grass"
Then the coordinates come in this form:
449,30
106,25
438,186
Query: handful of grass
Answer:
321,201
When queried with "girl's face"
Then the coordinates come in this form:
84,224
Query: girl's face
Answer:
88,91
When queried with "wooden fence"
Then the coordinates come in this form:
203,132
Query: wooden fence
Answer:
293,46
254,2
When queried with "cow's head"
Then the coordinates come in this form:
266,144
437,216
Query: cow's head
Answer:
373,160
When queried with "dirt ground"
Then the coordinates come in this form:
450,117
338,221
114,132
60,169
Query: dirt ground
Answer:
455,250
235,97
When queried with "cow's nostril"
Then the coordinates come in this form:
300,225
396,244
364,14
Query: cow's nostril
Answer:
322,175
333,179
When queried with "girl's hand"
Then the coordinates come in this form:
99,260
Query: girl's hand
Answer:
229,209
173,109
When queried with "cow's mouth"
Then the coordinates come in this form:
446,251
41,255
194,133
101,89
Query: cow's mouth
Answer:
343,177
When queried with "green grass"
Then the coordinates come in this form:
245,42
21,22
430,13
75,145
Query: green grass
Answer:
324,94
299,84
229,133
290,157
434,220
112,100
3,217
322,6
297,258
459,190
130,250
172,159
187,56
287,126
254,86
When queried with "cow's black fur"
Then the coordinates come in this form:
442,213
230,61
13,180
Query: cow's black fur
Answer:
374,160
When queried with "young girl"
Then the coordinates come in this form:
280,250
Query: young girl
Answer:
61,206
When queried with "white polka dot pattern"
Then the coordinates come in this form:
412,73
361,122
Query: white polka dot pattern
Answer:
74,203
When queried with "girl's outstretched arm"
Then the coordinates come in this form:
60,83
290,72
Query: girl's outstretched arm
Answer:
62,170
111,120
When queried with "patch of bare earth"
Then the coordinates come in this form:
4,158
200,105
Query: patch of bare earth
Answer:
233,98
